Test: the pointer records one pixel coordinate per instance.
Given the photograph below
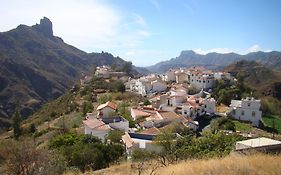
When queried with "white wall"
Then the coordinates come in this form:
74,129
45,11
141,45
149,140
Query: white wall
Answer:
210,105
170,76
97,133
245,112
158,86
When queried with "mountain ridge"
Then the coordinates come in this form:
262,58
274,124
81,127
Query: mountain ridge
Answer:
215,60
36,66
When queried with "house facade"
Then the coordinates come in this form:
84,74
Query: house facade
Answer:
96,127
170,76
247,109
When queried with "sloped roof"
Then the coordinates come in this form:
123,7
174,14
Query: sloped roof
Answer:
168,115
108,104
126,138
151,131
96,124
139,112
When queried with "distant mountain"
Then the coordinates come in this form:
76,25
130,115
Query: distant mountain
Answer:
216,60
36,66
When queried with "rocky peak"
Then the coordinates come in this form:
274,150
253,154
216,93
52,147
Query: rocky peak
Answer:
46,27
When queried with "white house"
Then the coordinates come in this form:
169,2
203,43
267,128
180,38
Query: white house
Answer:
142,140
197,106
158,86
103,71
210,105
181,76
96,128
139,113
170,76
147,85
107,109
246,110
202,80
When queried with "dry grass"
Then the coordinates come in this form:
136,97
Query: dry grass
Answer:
231,165
222,108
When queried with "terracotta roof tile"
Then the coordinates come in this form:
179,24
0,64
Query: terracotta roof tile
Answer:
96,124
127,140
140,113
108,104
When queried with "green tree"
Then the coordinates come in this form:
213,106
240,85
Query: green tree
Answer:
87,107
115,136
166,140
120,87
32,128
86,152
146,102
16,123
127,67
223,123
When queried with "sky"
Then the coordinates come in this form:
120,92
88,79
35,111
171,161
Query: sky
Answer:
148,31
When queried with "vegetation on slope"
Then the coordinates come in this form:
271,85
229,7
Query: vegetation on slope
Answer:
36,67
256,164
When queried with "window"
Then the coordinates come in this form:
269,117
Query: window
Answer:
192,80
204,81
234,112
253,113
185,112
205,106
242,112
208,81
249,104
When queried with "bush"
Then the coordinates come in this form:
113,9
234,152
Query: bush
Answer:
146,102
223,123
115,136
120,87
24,157
87,107
86,152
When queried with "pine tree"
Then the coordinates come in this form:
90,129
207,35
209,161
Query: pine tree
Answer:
16,123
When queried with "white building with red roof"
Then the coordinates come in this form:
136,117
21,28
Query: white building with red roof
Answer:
107,109
143,140
96,128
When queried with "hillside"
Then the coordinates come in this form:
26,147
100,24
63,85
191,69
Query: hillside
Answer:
265,81
230,165
36,66
216,60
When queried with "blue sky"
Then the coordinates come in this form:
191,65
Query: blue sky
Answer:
148,31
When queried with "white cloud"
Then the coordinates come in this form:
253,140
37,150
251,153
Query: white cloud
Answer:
254,48
217,50
144,33
138,19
